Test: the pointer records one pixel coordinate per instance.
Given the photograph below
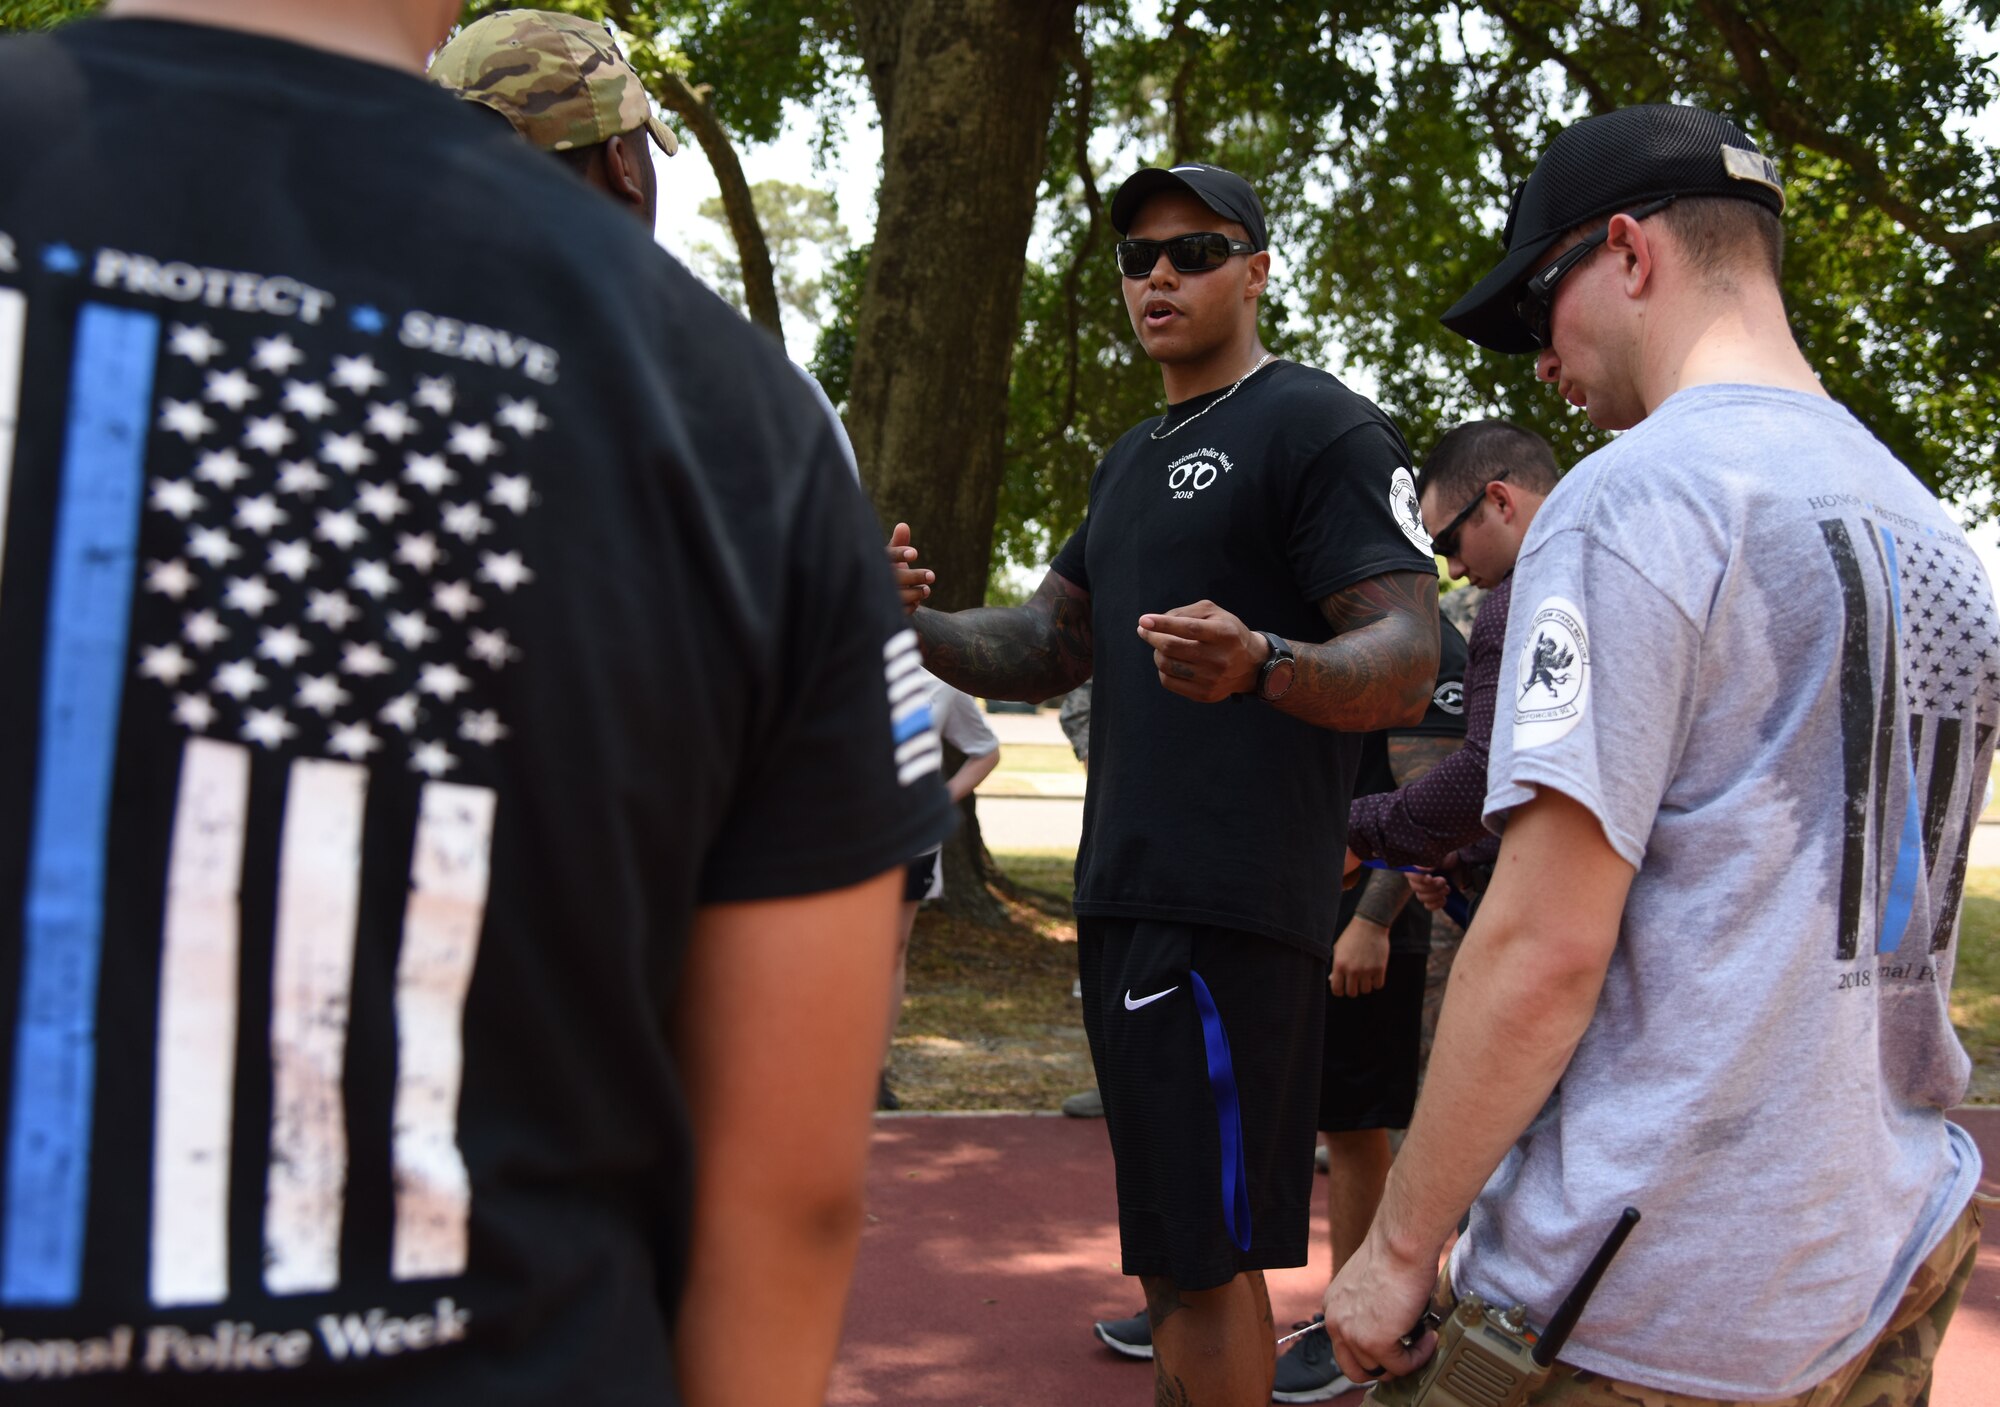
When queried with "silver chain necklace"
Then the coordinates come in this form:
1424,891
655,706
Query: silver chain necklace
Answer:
1162,434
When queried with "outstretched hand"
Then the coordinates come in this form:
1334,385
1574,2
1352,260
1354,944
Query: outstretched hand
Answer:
1203,652
913,584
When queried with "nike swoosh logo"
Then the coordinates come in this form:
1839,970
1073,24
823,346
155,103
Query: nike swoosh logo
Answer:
1131,1005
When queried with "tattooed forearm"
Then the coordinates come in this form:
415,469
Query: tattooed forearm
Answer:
1030,652
1383,895
1412,756
1378,669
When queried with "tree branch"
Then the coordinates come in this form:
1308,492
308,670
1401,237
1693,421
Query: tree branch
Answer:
1795,124
878,34
1545,48
753,252
1093,204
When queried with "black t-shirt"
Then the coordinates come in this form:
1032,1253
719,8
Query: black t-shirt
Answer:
419,595
1445,718
1265,502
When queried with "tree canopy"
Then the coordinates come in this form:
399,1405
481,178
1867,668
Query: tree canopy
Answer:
1385,136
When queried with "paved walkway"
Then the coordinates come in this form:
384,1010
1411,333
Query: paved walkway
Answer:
989,1250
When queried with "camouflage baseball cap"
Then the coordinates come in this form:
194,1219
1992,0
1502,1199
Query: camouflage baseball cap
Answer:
559,79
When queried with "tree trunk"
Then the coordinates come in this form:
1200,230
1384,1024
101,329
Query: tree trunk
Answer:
753,253
964,89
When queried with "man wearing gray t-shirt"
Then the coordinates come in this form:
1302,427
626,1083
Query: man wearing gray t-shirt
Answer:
1741,748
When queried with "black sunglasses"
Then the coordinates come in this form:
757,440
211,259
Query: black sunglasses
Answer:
1444,542
1189,253
1538,295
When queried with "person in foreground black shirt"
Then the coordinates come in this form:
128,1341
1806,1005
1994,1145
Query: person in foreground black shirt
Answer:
1250,592
426,896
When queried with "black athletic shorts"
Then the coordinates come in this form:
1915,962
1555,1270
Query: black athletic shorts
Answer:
1368,1076
1206,1043
919,875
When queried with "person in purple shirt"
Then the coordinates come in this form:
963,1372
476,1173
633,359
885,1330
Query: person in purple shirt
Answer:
1480,489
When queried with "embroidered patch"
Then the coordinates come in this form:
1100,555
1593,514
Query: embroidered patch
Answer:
1552,678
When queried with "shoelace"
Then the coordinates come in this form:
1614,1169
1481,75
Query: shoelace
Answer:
1302,1328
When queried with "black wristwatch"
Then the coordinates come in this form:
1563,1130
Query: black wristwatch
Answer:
1274,680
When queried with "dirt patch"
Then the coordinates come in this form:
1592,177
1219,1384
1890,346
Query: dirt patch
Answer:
989,1021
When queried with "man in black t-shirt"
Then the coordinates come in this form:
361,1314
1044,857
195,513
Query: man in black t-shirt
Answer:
426,896
1251,591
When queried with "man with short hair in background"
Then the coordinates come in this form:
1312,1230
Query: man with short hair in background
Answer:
445,939
1479,490
1749,724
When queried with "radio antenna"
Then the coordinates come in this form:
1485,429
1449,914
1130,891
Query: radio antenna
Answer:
1557,1334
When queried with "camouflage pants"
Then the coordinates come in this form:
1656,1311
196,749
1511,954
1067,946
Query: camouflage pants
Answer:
1893,1371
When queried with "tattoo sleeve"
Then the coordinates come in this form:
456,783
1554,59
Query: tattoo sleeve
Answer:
1383,895
1030,653
1381,664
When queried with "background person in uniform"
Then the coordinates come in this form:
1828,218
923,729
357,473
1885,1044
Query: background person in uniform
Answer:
957,720
1074,716
1738,771
1258,592
418,919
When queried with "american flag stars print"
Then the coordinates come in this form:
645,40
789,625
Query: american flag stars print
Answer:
327,559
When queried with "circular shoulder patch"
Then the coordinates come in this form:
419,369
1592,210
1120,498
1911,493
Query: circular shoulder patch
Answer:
1552,677
1403,503
1449,697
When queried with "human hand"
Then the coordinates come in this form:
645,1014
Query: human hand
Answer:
913,584
1360,959
1371,1304
1203,652
1431,890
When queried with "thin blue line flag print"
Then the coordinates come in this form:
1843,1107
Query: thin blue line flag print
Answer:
90,597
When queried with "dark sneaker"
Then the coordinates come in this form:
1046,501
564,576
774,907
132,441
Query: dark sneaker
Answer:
1307,1372
885,1098
1132,1337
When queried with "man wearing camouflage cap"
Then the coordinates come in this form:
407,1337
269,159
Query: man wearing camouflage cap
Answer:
562,82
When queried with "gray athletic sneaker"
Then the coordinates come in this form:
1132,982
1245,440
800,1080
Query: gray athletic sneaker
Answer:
1088,1104
1132,1337
1307,1372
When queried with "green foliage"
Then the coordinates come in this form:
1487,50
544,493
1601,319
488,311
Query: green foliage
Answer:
42,14
1384,138
833,357
757,55
801,227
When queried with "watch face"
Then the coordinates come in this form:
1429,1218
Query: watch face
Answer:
1278,679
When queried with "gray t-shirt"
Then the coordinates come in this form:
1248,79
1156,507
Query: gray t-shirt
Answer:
1749,641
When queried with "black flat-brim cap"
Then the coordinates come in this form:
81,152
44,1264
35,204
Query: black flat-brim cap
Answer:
1594,170
1224,192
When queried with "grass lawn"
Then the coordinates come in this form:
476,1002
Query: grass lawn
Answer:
1975,990
988,1019
989,1022
1039,757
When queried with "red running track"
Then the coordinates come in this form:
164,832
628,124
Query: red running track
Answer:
990,1247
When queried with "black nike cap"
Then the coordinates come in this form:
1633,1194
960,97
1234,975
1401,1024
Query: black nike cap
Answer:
1595,169
1224,192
